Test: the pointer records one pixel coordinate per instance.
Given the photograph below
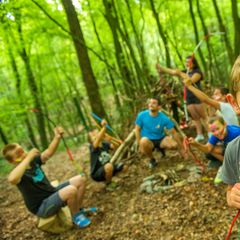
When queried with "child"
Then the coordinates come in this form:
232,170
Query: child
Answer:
40,197
230,169
194,105
221,132
100,145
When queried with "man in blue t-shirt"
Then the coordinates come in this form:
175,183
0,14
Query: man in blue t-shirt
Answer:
149,130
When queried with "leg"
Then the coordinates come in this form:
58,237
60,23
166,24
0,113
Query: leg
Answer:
168,143
195,116
80,183
69,195
200,109
217,152
108,168
146,147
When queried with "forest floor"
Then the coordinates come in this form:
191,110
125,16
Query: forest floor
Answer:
196,210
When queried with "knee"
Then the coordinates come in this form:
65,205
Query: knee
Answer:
108,168
82,180
144,143
71,191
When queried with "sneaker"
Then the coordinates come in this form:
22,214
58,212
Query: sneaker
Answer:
218,178
80,220
199,138
152,163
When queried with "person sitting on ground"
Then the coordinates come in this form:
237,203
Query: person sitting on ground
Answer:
100,146
40,197
218,101
194,105
149,130
221,132
231,163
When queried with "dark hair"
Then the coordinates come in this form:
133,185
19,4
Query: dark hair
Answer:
7,149
223,90
156,98
216,118
195,64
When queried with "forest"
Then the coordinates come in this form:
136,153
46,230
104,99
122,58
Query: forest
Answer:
63,61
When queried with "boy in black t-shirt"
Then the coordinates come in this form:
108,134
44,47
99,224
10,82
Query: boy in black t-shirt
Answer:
40,197
101,168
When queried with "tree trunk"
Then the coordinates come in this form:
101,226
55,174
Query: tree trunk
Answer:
3,136
162,34
236,21
32,85
222,28
119,54
109,71
205,30
83,59
196,35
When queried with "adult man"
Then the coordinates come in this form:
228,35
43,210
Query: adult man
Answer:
149,130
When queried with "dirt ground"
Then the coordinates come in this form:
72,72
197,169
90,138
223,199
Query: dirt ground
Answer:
193,211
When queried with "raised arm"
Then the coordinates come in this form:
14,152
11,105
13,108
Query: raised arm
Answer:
200,95
101,134
58,131
16,174
173,72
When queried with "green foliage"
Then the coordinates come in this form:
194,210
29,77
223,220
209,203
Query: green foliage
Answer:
56,68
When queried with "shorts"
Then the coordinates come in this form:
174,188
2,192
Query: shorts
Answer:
53,203
156,143
99,174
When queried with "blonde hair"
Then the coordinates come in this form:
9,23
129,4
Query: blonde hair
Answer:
7,150
235,77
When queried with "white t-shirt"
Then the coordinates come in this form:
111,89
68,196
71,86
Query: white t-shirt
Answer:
228,114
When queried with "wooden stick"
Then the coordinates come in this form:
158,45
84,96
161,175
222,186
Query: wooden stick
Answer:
124,146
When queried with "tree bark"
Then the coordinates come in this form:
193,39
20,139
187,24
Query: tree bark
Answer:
32,85
3,136
196,35
83,59
236,21
222,28
162,34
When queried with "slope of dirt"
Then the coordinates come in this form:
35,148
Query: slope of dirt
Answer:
194,211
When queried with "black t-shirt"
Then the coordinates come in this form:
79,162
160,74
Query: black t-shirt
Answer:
35,186
99,156
190,96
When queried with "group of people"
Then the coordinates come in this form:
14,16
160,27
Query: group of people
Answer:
44,200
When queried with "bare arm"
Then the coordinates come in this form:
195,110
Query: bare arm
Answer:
16,174
138,133
206,148
173,72
100,135
176,136
199,94
48,153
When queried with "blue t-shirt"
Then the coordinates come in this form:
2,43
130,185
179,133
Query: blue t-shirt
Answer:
153,127
232,132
